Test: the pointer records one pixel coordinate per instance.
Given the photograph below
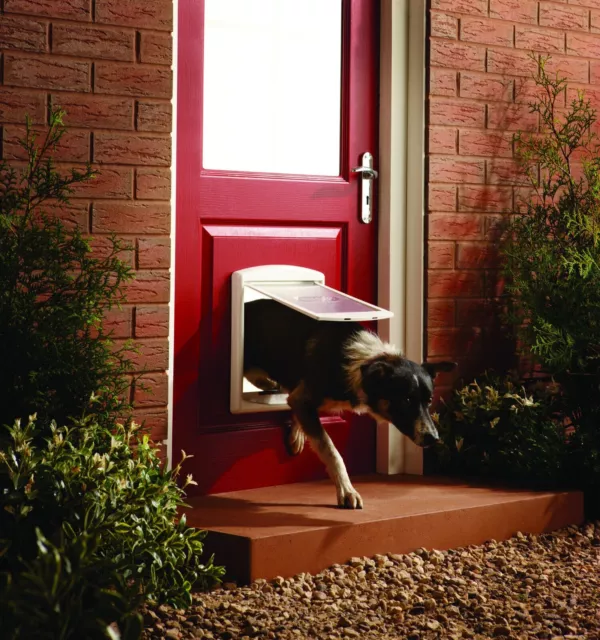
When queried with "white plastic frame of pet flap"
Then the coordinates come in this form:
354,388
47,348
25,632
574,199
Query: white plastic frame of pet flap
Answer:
299,288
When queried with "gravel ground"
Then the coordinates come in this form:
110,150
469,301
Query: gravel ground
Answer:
528,587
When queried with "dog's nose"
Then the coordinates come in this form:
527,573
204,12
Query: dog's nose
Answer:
429,440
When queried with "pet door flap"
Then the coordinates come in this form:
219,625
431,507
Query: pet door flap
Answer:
321,302
299,288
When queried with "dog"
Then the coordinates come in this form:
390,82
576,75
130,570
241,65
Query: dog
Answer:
332,367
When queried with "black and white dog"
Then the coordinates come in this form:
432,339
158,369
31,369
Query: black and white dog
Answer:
336,366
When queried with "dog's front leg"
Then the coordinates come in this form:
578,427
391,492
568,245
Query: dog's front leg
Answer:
308,417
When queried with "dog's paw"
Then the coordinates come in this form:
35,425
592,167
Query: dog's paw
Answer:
349,499
296,440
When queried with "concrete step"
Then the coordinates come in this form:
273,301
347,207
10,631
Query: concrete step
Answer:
294,528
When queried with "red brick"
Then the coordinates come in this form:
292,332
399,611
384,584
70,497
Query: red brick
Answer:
442,140
485,31
110,182
591,94
132,149
440,313
480,143
473,312
494,226
539,39
581,44
46,73
154,116
527,91
153,184
156,48
495,284
476,198
461,6
443,169
440,255
452,342
482,86
23,33
476,255
442,197
595,21
453,284
152,355
444,26
102,247
74,146
573,69
156,392
142,14
511,117
154,253
442,82
514,10
152,321
457,112
457,55
455,226
74,214
149,287
155,421
131,217
562,16
93,42
73,9
594,72
593,4
119,322
514,63
15,104
99,112
138,80
500,171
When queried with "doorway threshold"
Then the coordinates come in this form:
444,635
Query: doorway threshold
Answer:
290,529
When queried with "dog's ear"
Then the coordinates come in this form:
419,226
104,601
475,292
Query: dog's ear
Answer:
433,368
376,370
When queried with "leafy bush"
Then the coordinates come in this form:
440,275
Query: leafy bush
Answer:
53,296
494,429
552,262
89,525
89,531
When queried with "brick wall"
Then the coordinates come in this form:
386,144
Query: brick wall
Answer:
108,64
479,86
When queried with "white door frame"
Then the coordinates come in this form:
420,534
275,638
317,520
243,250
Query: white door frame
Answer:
401,202
401,235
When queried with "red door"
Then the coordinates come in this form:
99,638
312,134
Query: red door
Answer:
277,101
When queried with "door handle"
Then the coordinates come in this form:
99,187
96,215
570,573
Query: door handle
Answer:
368,174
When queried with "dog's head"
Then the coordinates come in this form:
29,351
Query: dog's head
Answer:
400,391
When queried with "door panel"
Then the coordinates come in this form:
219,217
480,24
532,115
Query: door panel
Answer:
232,219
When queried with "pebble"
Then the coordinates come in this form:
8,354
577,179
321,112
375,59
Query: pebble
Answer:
527,587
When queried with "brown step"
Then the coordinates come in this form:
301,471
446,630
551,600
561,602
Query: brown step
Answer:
294,528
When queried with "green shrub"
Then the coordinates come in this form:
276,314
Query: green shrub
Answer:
493,429
89,531
53,296
89,525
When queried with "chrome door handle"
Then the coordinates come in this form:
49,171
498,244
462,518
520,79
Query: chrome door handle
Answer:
368,174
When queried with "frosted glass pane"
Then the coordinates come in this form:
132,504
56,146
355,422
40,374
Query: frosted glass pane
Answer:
272,76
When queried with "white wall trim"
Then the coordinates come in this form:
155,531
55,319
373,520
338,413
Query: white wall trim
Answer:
401,201
169,441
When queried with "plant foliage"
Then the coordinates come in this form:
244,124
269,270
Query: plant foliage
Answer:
494,429
552,248
90,530
53,295
89,516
